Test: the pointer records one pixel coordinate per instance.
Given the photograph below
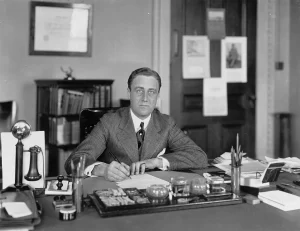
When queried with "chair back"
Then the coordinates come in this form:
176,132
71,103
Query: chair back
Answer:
89,117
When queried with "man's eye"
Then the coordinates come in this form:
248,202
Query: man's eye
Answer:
139,91
152,92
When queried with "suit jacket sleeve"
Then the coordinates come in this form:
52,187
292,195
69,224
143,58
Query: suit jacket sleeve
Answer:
183,153
93,146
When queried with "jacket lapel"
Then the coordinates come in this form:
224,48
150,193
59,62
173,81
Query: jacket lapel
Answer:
152,139
126,136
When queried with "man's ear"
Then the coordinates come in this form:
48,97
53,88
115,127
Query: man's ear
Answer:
128,93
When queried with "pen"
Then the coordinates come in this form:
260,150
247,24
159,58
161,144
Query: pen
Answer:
116,159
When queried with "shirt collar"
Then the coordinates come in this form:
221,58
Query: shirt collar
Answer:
137,121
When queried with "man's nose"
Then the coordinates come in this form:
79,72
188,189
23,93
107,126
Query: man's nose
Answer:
145,97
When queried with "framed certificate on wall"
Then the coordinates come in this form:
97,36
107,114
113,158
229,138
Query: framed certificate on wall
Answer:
62,29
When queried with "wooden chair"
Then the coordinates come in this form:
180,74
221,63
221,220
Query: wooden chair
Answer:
89,117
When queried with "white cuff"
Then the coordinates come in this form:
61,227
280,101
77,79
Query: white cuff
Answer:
88,170
166,163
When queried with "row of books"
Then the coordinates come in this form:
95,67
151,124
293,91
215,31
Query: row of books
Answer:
63,131
63,155
61,101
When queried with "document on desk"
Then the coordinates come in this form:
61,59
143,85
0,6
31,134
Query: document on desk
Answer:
141,181
281,200
249,167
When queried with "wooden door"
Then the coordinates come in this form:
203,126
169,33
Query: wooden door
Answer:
215,135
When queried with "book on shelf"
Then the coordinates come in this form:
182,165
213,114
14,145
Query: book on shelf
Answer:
102,96
63,131
107,96
63,155
75,132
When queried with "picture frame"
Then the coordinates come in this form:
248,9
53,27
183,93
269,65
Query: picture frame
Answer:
234,59
60,29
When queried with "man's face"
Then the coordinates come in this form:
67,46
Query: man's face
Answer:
143,95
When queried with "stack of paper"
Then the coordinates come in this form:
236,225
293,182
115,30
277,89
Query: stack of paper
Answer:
253,166
292,164
225,158
281,200
141,181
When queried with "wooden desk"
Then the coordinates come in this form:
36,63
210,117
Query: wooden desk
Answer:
234,217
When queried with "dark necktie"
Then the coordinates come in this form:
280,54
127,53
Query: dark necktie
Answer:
140,135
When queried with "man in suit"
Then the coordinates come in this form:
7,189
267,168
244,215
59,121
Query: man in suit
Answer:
138,137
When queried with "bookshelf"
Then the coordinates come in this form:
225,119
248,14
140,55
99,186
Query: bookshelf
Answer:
58,104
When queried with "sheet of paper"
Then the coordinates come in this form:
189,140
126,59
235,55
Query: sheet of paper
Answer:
249,167
215,97
17,209
215,23
8,143
234,59
195,57
290,162
141,181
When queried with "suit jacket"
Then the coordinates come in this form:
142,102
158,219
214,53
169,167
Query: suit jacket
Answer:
115,133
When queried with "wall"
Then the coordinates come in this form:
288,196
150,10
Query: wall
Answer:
123,40
273,87
294,76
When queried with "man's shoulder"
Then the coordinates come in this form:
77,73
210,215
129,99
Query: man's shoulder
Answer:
163,118
116,113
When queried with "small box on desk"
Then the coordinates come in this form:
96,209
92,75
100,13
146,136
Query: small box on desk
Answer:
255,191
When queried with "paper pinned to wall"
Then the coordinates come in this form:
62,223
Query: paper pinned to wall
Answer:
215,97
195,57
141,181
234,59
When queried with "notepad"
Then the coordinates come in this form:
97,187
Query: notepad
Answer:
141,181
281,200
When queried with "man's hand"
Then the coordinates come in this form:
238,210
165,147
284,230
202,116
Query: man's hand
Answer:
140,166
112,172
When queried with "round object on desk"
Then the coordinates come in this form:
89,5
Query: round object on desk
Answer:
157,191
67,213
198,186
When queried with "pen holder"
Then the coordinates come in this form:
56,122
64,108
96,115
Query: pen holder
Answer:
77,193
235,180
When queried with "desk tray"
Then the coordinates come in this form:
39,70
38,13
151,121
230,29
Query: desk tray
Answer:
190,202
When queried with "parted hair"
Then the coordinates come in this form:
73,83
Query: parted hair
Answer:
143,71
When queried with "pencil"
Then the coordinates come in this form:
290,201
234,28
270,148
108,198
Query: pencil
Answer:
116,159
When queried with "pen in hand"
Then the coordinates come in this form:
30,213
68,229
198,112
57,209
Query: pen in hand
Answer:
116,159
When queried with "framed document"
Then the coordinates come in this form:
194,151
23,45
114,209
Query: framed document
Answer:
62,29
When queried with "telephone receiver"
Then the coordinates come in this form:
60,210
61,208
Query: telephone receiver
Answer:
33,173
21,130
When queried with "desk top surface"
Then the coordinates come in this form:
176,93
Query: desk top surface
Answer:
232,217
